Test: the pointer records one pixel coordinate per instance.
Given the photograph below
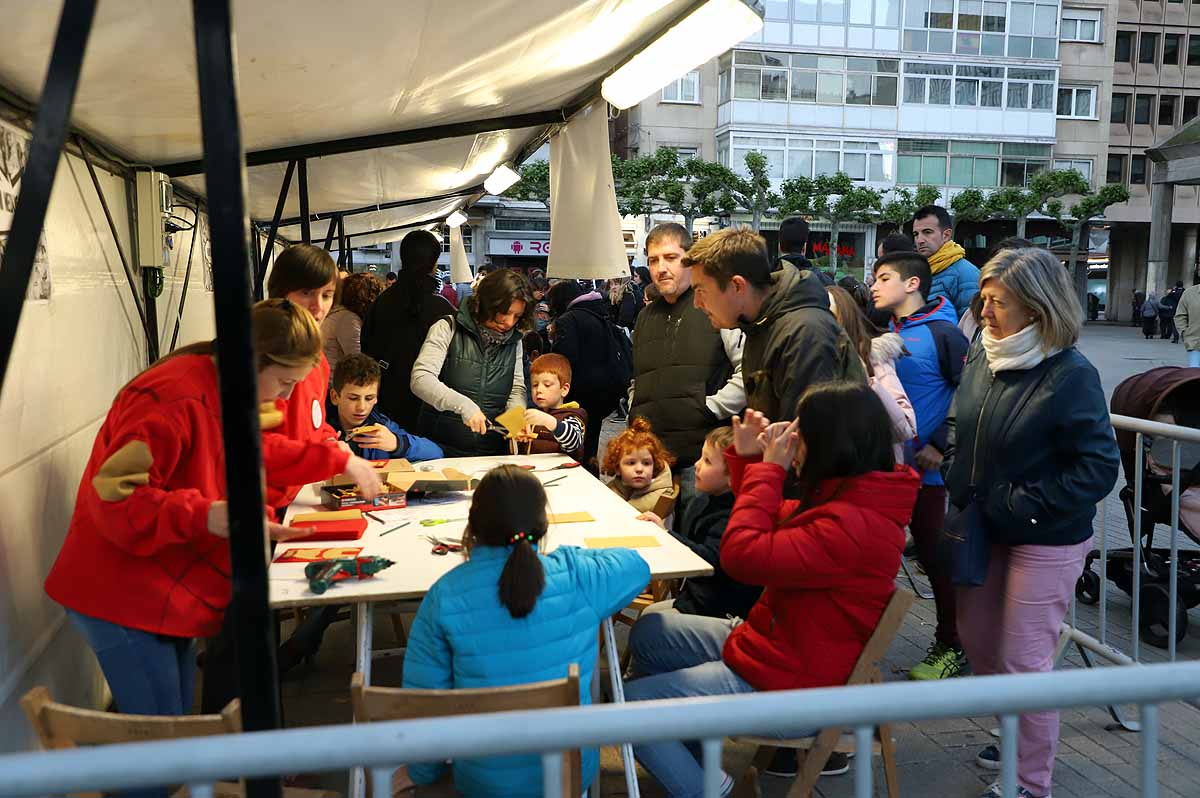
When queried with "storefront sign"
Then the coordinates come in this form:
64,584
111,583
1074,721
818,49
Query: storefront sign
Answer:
519,247
843,250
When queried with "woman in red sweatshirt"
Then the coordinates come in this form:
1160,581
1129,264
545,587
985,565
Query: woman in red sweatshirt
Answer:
144,567
827,559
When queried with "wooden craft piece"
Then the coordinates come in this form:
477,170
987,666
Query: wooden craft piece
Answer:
365,429
328,515
569,518
314,554
446,479
622,542
392,466
512,420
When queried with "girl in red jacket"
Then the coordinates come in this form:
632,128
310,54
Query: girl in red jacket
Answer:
827,560
144,567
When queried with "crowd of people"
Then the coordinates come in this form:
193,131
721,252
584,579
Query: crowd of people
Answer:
787,429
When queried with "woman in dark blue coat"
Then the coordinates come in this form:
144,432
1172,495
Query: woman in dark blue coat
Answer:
1035,449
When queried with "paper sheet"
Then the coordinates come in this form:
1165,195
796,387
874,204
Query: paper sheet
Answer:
569,518
622,542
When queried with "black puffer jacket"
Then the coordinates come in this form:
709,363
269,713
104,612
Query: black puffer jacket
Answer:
1040,445
719,595
583,335
794,342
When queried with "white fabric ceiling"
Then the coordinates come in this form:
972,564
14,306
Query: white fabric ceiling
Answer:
311,71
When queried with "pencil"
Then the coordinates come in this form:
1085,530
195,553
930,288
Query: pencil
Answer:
393,529
373,517
550,482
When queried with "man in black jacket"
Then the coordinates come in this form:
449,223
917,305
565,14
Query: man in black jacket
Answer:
793,244
792,338
396,325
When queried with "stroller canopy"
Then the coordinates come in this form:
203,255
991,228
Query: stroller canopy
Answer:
1145,395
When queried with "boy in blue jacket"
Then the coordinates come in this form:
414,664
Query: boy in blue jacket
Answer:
370,434
930,375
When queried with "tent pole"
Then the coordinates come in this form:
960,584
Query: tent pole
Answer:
383,206
305,230
266,252
254,632
333,223
50,128
341,241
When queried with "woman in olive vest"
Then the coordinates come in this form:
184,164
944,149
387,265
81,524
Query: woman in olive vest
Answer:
470,367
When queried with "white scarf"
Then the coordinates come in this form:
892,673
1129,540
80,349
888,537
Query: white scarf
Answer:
1018,352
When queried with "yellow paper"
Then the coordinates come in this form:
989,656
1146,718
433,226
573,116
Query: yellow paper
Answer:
512,420
622,542
569,518
331,515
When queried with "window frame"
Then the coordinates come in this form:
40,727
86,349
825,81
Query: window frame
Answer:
1165,100
1078,15
467,236
1179,48
1127,99
1145,179
1130,39
677,85
1150,108
1070,163
1193,49
1074,99
1123,160
1143,37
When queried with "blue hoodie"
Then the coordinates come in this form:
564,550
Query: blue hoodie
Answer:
413,447
930,375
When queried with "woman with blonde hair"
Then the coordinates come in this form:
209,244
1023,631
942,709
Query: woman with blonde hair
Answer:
1035,452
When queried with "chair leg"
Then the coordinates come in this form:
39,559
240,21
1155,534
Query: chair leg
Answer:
887,751
813,761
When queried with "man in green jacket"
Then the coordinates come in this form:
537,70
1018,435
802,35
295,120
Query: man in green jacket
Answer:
792,338
1187,323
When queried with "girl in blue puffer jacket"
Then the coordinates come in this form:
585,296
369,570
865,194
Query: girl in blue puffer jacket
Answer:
512,615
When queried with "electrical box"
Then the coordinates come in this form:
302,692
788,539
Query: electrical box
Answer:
155,202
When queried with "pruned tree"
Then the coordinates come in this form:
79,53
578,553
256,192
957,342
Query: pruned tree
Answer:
903,203
1089,207
534,184
833,198
754,193
661,183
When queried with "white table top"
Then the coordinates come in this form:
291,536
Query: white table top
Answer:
417,568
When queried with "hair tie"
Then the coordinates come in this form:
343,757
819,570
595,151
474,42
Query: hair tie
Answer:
519,537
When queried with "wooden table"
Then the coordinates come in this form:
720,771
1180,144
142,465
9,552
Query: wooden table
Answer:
417,568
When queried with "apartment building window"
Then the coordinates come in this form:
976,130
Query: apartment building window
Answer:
1116,169
777,9
683,90
466,234
979,27
1119,113
1147,48
861,160
1082,167
1172,43
1080,25
927,84
1142,107
1190,107
1137,170
1077,102
685,152
771,147
807,78
1167,104
1194,50
1123,54
518,224
978,164
1030,88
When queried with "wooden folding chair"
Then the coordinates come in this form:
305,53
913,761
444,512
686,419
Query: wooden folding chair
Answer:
62,726
373,704
814,752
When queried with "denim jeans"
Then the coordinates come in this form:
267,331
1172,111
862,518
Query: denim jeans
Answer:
680,657
1194,358
148,674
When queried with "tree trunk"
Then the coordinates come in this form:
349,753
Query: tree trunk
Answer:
689,219
1021,226
1078,268
834,233
756,220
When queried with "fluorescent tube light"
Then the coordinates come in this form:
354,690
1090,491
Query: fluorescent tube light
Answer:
704,34
501,180
455,219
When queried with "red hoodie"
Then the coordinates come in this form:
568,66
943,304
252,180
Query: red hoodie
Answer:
828,572
290,459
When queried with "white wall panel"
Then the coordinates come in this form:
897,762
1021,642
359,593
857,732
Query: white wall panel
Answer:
197,323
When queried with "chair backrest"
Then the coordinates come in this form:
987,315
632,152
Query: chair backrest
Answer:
62,726
879,641
391,703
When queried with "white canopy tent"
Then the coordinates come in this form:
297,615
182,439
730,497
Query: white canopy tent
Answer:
336,85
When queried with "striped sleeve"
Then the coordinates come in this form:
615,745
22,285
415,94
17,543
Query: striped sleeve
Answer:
569,434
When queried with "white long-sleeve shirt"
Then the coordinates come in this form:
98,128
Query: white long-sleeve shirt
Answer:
426,380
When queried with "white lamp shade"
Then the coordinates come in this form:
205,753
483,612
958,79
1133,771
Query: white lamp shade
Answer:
704,34
501,180
455,219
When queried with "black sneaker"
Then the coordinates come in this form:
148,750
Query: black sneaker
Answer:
989,758
784,764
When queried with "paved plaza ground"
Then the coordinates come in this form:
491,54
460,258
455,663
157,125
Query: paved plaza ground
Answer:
935,758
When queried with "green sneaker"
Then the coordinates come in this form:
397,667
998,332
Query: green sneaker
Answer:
942,662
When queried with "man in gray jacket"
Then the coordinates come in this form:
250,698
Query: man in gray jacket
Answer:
792,338
1187,323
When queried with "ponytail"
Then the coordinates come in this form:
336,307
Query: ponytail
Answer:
508,510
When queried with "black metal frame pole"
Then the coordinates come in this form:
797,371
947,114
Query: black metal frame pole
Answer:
265,258
50,128
384,206
341,241
305,224
254,631
333,223
432,220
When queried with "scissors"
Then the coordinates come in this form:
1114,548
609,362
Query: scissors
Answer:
439,521
442,547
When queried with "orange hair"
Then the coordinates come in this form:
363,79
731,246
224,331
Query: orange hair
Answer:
638,436
551,363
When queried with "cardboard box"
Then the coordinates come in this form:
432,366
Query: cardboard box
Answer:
431,481
340,497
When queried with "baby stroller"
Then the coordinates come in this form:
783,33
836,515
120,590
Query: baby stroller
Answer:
1173,391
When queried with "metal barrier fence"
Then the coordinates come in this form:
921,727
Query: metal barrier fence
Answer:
1144,564
379,747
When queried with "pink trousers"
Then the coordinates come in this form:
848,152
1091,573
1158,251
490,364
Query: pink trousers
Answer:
1010,624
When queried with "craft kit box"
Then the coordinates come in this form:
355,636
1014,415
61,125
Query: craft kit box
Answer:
341,497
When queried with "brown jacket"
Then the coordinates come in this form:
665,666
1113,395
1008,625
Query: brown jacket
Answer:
659,498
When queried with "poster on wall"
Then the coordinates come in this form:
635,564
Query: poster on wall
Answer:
14,149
